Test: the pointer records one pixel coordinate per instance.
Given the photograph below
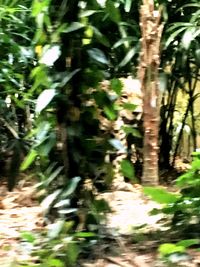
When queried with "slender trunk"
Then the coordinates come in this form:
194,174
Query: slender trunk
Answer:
148,74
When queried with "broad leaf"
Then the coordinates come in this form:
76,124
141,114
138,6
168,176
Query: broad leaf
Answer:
129,106
110,112
74,26
116,85
188,36
130,130
127,6
117,145
113,11
55,229
98,56
127,169
169,248
44,99
160,195
50,55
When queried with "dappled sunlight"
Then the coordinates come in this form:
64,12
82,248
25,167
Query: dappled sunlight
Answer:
19,212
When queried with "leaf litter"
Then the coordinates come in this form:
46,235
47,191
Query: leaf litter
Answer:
20,212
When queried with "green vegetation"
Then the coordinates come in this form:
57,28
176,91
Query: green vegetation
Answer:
62,100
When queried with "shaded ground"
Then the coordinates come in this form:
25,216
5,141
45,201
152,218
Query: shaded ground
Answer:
122,246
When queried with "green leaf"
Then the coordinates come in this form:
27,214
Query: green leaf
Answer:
88,13
44,99
68,77
53,175
50,55
73,251
116,85
127,58
71,187
28,237
169,248
110,112
55,229
188,242
28,160
130,130
188,36
127,169
84,234
98,56
160,195
173,36
129,106
113,11
74,26
101,37
127,6
124,40
54,263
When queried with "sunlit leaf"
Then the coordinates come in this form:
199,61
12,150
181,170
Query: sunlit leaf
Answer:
129,106
62,203
117,144
28,237
29,159
98,56
127,6
44,99
188,36
74,26
88,13
55,229
84,234
50,55
47,202
169,248
160,195
55,263
173,36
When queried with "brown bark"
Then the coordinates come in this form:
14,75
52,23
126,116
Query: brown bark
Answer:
151,30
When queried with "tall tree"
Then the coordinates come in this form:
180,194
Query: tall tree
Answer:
151,31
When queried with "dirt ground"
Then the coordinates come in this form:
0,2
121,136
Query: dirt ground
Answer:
20,212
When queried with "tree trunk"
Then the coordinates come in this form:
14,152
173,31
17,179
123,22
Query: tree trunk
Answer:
148,74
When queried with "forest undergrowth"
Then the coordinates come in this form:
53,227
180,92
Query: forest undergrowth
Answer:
129,236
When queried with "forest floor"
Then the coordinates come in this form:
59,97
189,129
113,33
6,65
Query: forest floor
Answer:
125,243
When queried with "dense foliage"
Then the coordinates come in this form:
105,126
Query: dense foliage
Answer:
54,57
